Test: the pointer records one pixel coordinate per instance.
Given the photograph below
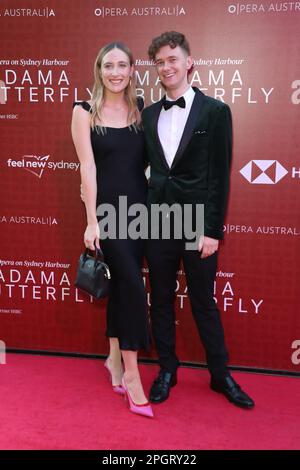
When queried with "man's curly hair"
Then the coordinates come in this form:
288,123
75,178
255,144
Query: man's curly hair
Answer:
169,38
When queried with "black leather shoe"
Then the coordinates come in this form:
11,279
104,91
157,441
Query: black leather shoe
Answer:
160,389
232,392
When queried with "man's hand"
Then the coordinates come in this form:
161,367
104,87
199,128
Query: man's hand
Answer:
208,246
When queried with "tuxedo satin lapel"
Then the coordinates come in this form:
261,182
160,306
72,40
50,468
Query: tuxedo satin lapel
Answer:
194,116
154,125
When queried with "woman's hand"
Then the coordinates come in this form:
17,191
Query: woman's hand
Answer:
92,236
81,194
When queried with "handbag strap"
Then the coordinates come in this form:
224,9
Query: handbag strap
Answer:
99,257
98,253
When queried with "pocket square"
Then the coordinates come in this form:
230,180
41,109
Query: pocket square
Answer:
200,132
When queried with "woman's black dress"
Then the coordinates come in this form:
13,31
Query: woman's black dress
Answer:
119,158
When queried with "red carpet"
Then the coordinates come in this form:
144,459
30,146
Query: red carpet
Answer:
66,403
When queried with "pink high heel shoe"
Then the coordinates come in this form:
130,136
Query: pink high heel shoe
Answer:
144,409
116,388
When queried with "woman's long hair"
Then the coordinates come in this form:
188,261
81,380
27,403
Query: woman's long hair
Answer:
97,99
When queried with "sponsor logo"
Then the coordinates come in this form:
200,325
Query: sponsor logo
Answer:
261,229
258,8
37,164
28,12
263,172
106,11
32,163
15,311
28,219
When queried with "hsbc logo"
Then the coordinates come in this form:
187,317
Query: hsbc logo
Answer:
263,171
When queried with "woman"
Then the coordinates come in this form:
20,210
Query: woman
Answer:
110,147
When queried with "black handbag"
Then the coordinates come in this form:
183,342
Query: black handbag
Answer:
93,275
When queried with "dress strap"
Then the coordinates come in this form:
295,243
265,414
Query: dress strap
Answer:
140,103
85,105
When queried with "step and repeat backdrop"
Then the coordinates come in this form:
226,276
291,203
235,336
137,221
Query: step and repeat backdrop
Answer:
246,54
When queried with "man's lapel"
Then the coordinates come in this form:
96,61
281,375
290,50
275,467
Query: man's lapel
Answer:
154,130
195,114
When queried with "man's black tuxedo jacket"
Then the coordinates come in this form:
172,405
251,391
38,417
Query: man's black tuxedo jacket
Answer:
201,167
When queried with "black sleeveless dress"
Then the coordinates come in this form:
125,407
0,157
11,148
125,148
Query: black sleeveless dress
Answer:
119,158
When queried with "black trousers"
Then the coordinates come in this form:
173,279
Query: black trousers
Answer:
163,258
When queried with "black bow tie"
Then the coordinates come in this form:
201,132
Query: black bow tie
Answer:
168,104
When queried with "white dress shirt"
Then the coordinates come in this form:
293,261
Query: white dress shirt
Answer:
171,124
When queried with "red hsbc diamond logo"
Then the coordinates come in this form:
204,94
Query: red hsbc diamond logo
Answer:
263,171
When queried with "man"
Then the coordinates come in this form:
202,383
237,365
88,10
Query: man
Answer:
189,143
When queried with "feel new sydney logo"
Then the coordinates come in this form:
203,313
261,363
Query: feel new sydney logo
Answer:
37,164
